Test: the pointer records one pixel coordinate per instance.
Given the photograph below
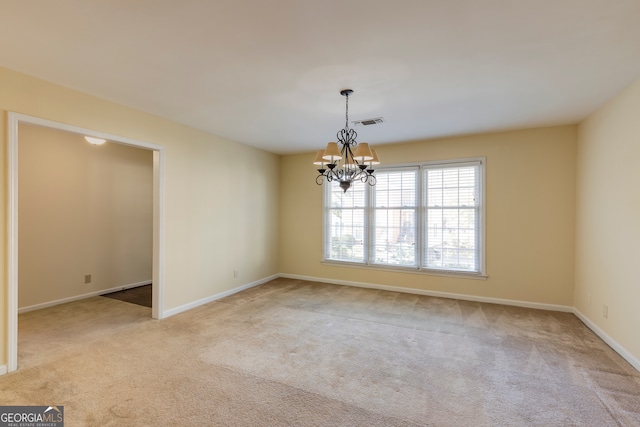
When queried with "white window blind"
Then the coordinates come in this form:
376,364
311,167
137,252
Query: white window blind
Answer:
425,217
345,221
395,211
451,217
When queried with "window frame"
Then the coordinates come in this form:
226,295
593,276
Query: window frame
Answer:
420,228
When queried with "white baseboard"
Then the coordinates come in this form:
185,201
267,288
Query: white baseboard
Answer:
79,297
3,369
610,341
536,305
194,304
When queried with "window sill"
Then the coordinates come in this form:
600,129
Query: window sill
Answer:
410,270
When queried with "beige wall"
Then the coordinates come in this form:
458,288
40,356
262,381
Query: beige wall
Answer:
3,238
267,219
530,184
608,218
83,209
213,224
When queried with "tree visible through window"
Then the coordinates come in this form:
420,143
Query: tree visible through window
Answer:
425,217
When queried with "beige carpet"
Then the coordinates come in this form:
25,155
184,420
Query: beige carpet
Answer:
292,353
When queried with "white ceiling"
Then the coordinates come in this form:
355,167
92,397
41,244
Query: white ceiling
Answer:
267,72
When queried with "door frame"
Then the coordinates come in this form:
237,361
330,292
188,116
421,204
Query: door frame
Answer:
14,119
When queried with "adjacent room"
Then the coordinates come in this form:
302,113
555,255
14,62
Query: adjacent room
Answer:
351,213
85,217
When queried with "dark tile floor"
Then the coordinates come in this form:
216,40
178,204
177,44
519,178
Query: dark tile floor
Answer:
140,295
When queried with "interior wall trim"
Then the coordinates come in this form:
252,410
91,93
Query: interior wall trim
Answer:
197,303
450,295
82,296
626,355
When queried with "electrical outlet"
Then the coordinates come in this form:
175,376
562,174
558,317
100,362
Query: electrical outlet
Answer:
87,279
605,311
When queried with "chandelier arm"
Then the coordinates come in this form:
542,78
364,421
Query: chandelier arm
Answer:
338,174
333,174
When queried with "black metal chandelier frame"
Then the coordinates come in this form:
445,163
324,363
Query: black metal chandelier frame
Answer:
349,167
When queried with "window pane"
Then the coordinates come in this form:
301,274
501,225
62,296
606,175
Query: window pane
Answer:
394,242
396,189
354,198
467,177
434,197
450,197
467,196
347,234
434,226
345,223
451,212
467,239
450,177
394,226
434,178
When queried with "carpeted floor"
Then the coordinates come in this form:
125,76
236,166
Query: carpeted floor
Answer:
293,353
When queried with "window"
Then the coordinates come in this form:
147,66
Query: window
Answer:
426,217
345,222
395,214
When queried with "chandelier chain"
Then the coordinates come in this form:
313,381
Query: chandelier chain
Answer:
346,112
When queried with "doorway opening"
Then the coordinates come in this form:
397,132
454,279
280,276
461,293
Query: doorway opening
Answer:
14,120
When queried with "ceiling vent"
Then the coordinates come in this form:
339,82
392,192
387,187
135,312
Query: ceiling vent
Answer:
368,122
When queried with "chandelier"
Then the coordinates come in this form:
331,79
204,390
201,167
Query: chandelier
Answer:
351,162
